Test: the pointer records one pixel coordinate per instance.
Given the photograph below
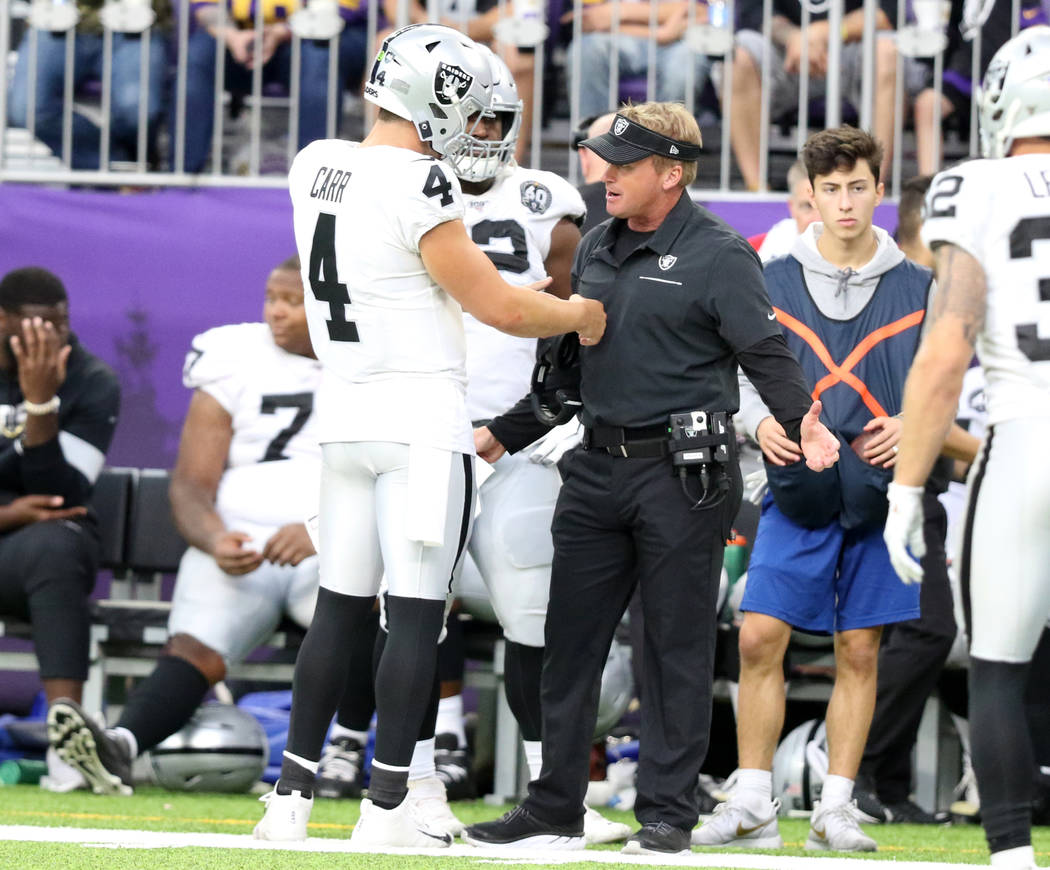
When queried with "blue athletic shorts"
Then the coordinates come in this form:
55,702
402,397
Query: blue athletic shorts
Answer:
824,580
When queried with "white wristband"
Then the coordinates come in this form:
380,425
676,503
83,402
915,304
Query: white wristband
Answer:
40,409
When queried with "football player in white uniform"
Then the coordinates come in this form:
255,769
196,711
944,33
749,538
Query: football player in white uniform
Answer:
527,222
388,265
246,477
988,223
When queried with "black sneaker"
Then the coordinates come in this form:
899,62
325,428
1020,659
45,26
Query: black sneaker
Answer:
658,838
104,760
871,808
340,773
452,766
910,813
520,828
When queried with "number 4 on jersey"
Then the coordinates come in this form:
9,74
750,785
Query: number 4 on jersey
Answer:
324,280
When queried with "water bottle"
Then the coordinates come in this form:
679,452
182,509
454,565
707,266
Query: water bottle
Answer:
22,771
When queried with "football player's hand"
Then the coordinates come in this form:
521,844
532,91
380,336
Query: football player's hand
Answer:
29,509
486,445
592,325
41,359
755,486
233,554
819,446
881,448
289,545
556,443
903,531
776,446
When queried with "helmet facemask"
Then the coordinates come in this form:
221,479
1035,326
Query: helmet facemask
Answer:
475,159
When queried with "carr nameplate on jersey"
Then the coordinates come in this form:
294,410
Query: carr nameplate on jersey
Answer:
536,197
451,83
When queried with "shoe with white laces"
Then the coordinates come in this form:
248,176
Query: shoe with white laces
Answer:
597,829
340,773
285,818
401,826
102,757
837,829
431,804
734,824
453,767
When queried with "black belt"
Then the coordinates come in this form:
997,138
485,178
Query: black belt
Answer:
631,442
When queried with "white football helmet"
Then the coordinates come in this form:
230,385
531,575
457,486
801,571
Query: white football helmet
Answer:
800,765
435,77
484,157
1014,98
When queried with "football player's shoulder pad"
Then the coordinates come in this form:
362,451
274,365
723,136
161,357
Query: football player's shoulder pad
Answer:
222,352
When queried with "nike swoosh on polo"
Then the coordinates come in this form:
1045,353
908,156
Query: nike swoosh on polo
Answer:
771,316
741,831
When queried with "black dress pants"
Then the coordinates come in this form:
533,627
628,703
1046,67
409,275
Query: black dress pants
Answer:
619,523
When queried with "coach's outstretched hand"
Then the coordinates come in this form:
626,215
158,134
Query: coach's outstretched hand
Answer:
819,446
593,327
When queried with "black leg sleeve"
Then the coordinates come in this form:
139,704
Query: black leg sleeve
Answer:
358,703
452,651
321,669
522,668
405,675
164,702
1002,752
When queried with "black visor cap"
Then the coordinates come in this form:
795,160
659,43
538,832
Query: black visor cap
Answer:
628,142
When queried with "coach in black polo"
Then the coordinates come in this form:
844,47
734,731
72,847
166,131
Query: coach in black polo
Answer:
686,302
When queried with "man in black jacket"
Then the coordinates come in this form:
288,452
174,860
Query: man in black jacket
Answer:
58,410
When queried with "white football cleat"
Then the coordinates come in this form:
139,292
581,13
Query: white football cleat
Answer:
733,823
431,802
401,826
837,829
597,829
285,818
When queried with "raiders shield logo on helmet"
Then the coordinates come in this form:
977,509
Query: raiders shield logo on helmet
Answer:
535,197
620,126
451,83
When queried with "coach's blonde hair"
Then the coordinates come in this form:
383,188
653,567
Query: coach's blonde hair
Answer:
674,121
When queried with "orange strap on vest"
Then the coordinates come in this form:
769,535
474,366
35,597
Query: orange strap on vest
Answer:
844,372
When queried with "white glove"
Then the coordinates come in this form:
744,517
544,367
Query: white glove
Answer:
556,443
755,486
903,531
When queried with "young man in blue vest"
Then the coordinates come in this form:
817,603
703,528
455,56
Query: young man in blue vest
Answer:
851,307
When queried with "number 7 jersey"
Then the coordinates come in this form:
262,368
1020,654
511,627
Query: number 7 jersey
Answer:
391,340
998,211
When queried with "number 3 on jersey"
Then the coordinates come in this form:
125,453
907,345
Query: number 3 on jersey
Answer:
324,280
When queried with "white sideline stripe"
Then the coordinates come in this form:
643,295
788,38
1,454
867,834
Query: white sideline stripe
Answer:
121,839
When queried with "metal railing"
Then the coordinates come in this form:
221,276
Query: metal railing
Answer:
706,30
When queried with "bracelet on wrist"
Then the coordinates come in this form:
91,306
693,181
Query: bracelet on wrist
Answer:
41,409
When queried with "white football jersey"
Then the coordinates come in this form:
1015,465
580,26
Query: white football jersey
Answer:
512,222
391,340
273,466
999,212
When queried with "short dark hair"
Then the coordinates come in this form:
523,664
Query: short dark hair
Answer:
841,148
31,285
909,211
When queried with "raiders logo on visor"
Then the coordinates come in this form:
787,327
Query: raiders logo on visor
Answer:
451,83
620,125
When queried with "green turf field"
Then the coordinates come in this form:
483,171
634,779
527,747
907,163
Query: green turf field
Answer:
156,810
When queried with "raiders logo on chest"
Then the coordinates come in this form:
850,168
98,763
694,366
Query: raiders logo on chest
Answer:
330,184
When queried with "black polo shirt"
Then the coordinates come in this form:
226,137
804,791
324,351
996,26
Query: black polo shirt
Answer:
680,307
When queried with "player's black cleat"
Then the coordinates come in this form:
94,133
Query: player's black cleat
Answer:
452,766
520,828
104,761
341,771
